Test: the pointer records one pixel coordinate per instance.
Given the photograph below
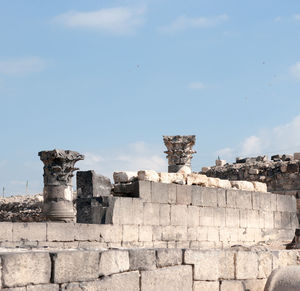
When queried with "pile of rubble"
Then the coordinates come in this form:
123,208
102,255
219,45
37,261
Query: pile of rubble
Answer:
27,208
187,179
281,173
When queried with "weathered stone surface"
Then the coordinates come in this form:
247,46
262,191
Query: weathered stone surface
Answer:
169,257
21,269
183,194
259,187
160,193
231,285
176,278
242,185
148,175
151,213
113,261
178,214
197,179
60,231
145,233
110,233
255,285
124,176
130,233
33,231
75,266
206,286
287,278
142,259
178,178
44,287
246,265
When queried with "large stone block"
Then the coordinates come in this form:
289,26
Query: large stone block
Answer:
21,269
205,286
265,263
142,259
253,218
255,285
57,231
113,261
183,194
246,265
124,176
232,217
44,287
172,193
265,201
231,198
197,196
209,197
206,216
169,257
148,175
33,231
151,214
178,215
221,197
145,233
243,200
286,203
110,233
231,285
176,278
130,233
87,232
219,216
77,265
6,231
90,184
193,216
164,214
160,193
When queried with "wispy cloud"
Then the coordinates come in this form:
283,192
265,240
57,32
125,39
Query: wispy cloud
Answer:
295,70
118,20
196,86
21,66
280,139
184,22
132,157
296,17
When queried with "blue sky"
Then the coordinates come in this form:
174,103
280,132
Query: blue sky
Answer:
109,78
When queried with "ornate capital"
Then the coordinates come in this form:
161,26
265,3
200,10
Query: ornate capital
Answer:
179,151
59,166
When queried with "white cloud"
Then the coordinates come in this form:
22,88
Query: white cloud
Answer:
118,20
21,66
296,17
133,157
278,19
295,71
183,22
196,85
281,139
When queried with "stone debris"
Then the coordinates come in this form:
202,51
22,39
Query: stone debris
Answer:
22,208
186,179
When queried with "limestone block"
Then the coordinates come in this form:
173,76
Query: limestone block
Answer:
178,178
286,278
265,263
256,200
113,261
123,211
226,265
294,220
151,213
246,265
225,184
197,196
231,285
183,194
255,285
144,190
243,200
44,287
145,233
180,233
265,201
259,186
175,278
232,217
21,269
285,220
124,177
29,231
209,259
192,233
110,233
253,218
202,233
137,211
160,193
6,231
242,185
148,175
164,214
243,218
213,234
221,198
286,203
284,258
231,198
178,215
169,257
172,193
269,219
209,196
130,233
57,231
193,216
142,259
75,266
157,232
205,285
273,202
84,232
253,171
197,179
213,182
206,216
16,289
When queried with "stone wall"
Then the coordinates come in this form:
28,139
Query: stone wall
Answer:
141,269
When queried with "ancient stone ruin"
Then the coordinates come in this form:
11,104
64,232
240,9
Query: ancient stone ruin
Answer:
175,230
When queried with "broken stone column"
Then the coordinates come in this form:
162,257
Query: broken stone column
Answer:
58,191
179,153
